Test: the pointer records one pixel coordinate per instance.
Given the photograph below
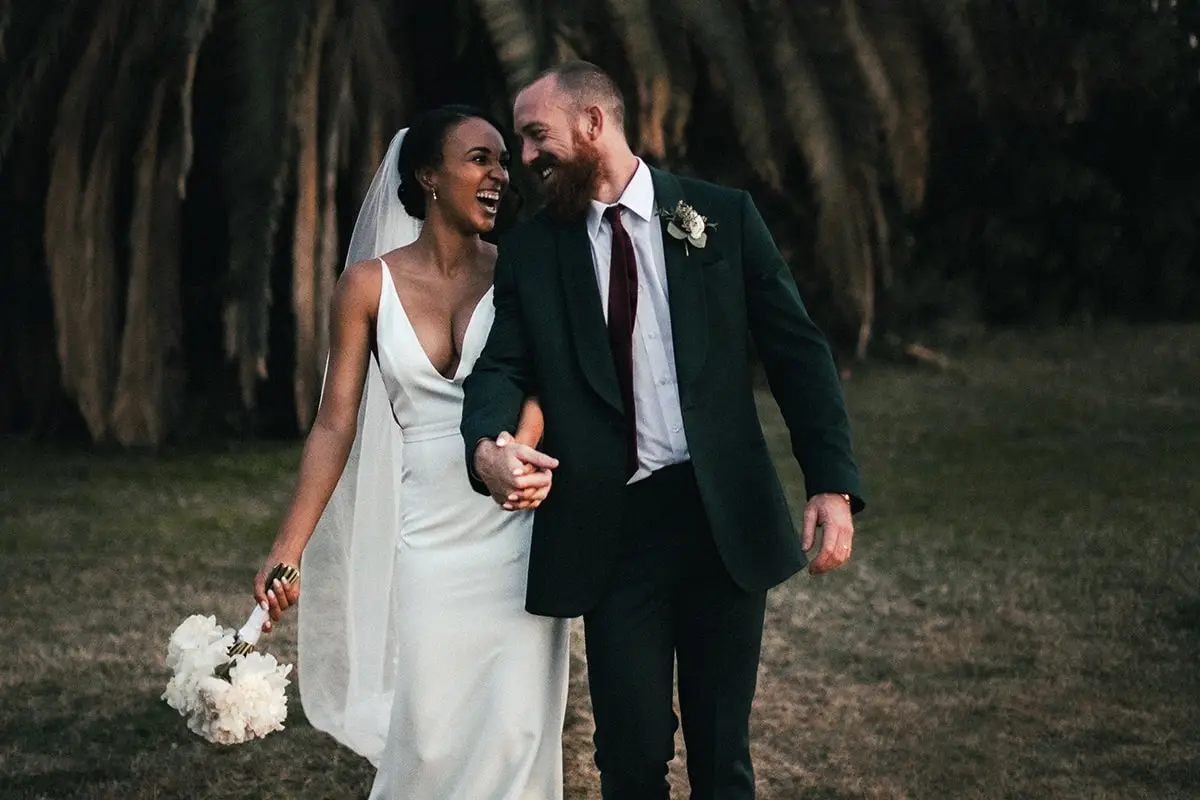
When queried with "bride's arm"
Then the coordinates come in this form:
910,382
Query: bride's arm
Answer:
531,423
328,444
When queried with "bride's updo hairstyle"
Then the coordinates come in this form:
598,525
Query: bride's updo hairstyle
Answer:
423,146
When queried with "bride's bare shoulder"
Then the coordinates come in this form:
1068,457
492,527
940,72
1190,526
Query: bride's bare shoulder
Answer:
487,257
360,284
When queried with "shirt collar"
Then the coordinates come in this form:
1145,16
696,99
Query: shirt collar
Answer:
638,197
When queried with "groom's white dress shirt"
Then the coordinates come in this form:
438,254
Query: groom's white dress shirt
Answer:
660,437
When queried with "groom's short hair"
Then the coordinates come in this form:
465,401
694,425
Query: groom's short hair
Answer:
590,85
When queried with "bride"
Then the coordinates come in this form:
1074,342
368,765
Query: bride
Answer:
415,648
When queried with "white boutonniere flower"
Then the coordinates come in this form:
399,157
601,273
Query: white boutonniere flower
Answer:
686,223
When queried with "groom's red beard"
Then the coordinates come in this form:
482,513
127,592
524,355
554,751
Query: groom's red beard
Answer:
573,183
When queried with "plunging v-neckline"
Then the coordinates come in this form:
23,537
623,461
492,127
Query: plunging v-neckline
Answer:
417,339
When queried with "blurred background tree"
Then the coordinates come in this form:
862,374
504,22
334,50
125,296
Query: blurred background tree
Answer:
177,179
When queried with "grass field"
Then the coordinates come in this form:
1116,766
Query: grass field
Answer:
1022,617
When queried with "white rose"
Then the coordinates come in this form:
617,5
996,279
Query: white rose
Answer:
695,226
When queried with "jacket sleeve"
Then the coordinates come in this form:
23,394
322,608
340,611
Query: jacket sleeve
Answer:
799,365
501,378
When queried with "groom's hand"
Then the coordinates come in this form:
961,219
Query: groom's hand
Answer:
517,476
832,513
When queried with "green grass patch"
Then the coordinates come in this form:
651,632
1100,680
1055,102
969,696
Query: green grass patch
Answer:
1021,618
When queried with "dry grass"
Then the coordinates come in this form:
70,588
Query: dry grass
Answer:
1022,618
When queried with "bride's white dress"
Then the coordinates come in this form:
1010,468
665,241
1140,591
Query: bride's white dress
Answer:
480,684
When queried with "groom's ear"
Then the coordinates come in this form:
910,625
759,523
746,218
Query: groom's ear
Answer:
593,121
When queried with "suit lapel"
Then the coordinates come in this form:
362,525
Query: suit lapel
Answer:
685,288
589,329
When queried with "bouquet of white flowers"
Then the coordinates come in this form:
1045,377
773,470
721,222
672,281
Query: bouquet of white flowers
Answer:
228,692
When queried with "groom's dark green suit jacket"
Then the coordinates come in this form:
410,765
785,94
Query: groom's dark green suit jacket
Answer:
550,339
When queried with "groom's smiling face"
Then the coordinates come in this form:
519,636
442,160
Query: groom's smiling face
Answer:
555,147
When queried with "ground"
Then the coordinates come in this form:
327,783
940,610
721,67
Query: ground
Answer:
1021,617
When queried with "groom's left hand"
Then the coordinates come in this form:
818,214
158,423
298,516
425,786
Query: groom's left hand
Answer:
831,512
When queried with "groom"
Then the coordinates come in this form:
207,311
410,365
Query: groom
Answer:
628,316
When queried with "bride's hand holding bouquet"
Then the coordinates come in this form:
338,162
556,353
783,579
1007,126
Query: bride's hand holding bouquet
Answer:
275,595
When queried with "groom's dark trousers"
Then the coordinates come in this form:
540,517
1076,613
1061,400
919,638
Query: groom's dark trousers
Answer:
675,565
671,595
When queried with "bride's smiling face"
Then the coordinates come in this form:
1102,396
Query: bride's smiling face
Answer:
472,177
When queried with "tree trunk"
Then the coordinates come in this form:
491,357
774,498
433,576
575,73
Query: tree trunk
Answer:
81,256
272,36
512,32
78,232
635,24
718,26
149,380
329,248
307,376
889,58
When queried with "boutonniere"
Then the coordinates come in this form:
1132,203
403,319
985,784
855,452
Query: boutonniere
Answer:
686,223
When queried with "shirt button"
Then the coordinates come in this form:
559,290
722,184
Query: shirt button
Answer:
652,335
674,429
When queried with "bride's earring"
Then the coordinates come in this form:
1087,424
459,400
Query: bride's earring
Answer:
435,194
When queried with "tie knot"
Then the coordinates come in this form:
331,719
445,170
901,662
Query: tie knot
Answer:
613,215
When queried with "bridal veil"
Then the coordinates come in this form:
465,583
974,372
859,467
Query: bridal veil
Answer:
347,648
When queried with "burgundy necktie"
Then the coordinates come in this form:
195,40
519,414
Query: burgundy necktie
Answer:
622,308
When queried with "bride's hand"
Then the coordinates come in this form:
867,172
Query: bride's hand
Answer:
532,496
530,427
278,596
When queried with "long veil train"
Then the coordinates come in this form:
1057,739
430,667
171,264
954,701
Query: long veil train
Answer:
347,649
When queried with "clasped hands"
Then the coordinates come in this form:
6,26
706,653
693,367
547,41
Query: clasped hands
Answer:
518,476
